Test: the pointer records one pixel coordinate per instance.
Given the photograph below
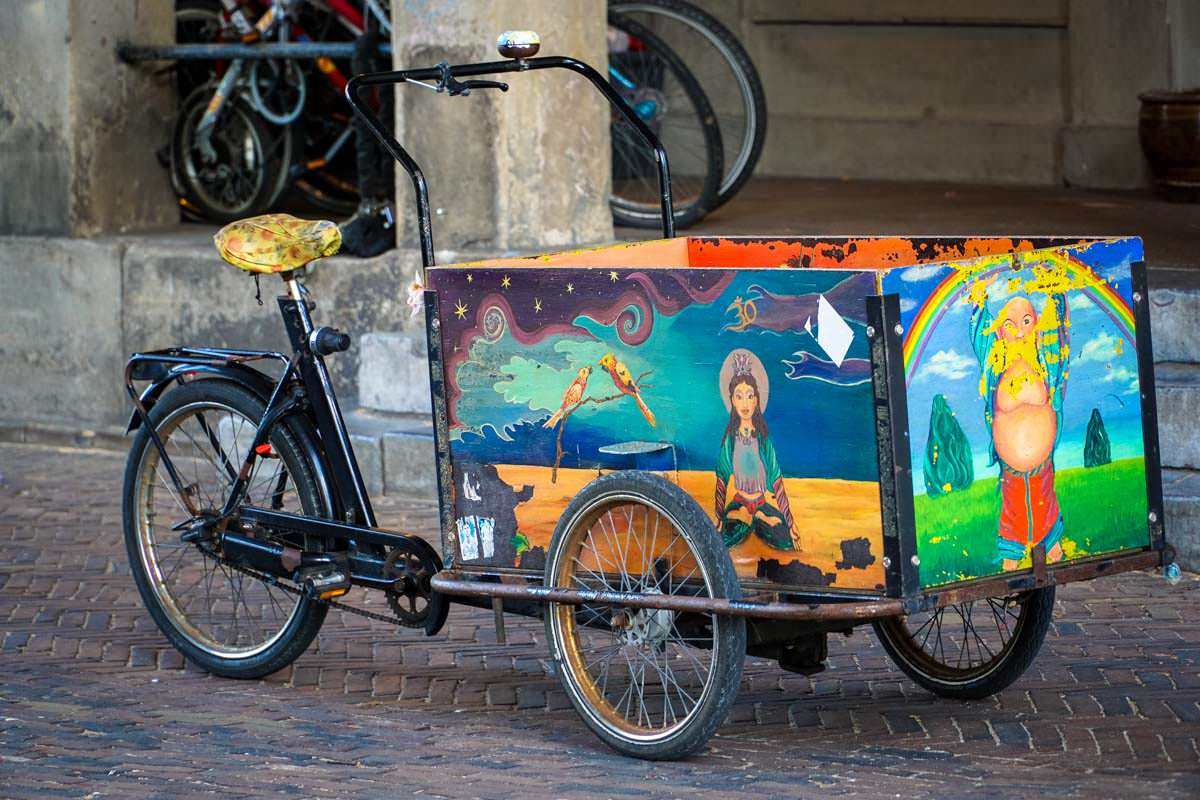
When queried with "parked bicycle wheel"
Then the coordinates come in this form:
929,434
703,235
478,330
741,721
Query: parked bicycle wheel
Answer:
196,22
650,683
724,70
220,618
663,93
242,170
970,650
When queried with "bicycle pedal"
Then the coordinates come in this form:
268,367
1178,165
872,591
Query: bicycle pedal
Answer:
325,584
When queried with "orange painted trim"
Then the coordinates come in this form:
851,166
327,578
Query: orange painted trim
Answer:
734,252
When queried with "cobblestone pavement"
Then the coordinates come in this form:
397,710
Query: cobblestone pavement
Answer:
95,703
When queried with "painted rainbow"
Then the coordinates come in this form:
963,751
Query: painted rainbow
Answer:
960,278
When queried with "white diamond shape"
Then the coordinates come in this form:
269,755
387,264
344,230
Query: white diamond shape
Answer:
833,334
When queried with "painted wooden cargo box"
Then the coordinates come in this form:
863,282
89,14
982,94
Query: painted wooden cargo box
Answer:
859,415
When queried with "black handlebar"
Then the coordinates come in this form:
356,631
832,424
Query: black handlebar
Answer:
446,75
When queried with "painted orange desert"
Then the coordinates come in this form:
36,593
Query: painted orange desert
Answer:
827,513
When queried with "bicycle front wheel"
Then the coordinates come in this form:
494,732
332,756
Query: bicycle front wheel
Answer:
243,169
219,617
717,60
650,683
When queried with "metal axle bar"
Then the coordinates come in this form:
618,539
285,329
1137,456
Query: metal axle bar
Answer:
455,583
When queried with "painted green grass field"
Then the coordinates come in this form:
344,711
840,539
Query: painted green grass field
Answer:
1104,509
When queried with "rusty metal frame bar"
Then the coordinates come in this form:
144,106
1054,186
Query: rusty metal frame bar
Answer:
457,583
1071,572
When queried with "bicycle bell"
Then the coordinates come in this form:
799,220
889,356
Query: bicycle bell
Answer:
519,44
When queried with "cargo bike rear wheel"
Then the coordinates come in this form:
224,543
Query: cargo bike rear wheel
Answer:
651,683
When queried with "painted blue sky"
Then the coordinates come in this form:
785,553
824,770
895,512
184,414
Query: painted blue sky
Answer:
818,428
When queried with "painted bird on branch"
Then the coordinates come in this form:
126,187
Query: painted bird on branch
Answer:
623,380
572,396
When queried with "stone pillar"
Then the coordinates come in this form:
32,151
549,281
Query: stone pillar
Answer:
521,170
1184,19
1116,49
79,129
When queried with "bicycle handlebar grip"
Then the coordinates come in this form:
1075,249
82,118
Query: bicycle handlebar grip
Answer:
518,44
327,341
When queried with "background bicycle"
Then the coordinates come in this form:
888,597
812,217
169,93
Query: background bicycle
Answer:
285,126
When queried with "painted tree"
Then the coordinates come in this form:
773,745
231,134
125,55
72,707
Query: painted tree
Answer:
948,463
574,399
1096,447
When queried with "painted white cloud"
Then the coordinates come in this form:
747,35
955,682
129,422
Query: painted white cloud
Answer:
951,365
1120,375
907,304
916,274
1101,348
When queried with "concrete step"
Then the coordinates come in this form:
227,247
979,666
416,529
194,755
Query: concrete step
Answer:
1175,313
1178,393
394,452
1181,498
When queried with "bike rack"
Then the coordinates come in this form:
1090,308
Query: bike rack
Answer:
135,53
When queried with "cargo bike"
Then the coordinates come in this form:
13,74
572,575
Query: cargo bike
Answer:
676,452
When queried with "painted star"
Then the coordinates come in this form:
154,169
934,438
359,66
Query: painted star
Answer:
612,276
570,288
460,310
504,284
537,305
470,278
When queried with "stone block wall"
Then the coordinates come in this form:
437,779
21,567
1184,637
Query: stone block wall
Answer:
79,129
1038,92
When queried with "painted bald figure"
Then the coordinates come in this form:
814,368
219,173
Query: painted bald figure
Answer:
1023,357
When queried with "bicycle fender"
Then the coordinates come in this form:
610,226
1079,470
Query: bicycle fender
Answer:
262,386
244,376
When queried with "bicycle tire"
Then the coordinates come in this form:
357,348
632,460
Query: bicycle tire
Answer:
584,640
930,666
250,171
196,22
743,125
656,82
172,575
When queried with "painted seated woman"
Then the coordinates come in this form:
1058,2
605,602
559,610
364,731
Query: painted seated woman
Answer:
750,495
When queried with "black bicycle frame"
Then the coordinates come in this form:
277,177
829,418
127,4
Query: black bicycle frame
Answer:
443,73
317,401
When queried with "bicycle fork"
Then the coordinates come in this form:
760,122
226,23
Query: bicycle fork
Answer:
212,113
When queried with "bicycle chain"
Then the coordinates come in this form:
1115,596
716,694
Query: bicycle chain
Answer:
271,580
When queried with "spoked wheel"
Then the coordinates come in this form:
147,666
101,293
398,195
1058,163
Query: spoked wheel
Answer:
197,22
223,619
970,650
651,683
665,95
242,170
722,67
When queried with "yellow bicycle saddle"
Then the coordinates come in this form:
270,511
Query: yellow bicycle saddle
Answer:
276,242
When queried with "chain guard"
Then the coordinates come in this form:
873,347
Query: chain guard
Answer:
414,602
